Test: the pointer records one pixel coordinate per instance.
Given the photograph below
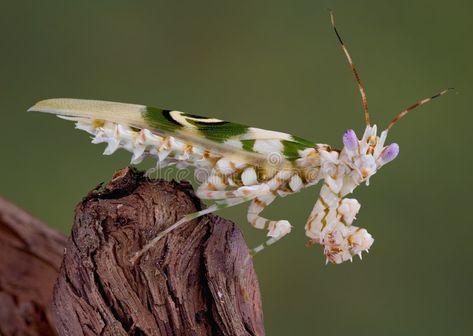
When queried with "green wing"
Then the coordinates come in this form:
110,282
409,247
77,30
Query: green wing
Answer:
211,133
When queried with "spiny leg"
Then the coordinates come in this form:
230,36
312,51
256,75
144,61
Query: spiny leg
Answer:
214,207
225,199
219,204
246,191
277,228
256,207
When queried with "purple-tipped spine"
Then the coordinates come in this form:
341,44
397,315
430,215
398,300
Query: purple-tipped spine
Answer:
350,140
390,152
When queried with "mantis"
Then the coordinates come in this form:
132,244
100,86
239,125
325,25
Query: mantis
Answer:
236,163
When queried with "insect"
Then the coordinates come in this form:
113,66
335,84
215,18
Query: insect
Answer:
236,163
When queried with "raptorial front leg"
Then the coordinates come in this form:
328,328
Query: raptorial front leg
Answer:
276,228
330,224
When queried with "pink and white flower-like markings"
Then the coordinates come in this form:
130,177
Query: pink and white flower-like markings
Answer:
330,223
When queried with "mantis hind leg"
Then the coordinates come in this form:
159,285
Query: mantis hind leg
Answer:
233,198
241,192
276,228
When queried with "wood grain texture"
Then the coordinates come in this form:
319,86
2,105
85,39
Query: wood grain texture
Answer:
30,257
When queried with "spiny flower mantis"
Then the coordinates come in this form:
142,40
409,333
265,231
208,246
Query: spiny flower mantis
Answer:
236,163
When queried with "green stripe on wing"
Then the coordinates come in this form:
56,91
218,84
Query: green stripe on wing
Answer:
294,146
212,129
220,131
160,119
248,144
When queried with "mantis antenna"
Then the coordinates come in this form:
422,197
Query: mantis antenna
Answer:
419,103
357,77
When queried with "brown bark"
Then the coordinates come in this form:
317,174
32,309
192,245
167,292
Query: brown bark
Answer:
197,280
30,256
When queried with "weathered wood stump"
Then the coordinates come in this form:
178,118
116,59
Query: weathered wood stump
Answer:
198,280
30,256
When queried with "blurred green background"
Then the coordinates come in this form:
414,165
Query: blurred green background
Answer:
275,65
